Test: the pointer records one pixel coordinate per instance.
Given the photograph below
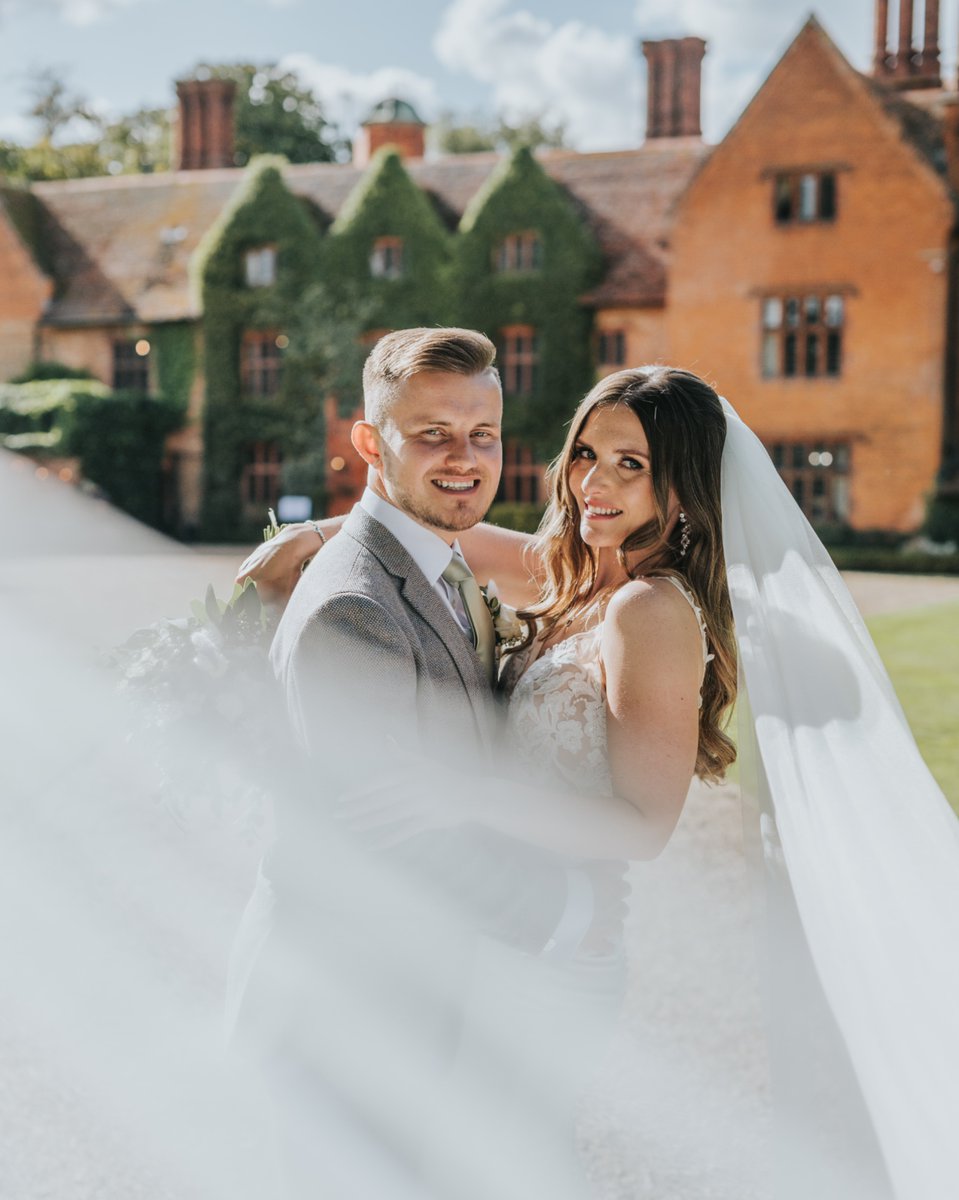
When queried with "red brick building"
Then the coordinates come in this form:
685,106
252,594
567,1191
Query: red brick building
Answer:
807,265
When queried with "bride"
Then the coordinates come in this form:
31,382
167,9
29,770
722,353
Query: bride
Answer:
669,543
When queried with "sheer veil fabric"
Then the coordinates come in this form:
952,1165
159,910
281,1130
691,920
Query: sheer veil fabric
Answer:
870,844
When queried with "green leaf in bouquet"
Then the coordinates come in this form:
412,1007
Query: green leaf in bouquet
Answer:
214,608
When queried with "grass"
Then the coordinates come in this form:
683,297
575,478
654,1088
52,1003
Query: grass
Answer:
921,653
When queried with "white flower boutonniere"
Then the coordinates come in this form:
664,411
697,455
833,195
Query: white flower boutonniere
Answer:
506,624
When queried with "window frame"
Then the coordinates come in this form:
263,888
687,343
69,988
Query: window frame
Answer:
618,356
265,253
261,377
132,375
801,468
805,196
519,363
384,248
518,253
802,333
261,476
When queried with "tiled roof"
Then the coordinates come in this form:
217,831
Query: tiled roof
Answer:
920,117
119,248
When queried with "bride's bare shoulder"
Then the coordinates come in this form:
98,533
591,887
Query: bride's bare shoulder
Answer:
650,609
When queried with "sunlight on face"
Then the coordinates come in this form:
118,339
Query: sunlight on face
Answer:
441,449
610,477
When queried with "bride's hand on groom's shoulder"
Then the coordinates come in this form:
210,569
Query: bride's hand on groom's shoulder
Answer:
275,566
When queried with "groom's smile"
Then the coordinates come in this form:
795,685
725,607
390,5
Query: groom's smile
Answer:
439,453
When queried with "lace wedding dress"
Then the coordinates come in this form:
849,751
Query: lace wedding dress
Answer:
555,1015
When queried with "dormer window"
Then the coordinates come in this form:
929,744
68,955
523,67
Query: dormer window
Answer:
519,252
800,197
386,258
259,266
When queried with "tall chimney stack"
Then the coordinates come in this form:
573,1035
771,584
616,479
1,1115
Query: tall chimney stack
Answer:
204,131
674,87
904,60
911,66
881,65
929,61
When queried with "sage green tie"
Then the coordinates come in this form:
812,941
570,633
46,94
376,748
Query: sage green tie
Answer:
462,578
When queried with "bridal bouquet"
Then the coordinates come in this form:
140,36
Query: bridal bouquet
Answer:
203,709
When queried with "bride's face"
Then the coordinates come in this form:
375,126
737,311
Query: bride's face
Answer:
610,477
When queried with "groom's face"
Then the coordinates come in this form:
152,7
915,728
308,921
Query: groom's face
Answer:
440,449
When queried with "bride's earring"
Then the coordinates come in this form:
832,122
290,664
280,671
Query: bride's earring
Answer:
685,536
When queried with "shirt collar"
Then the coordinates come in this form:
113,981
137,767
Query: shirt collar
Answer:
427,549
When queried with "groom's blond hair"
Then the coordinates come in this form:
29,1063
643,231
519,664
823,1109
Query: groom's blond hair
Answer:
399,356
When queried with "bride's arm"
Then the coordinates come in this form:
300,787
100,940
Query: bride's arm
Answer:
653,660
652,654
507,557
493,553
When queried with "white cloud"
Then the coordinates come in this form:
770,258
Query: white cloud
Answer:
595,81
571,73
347,96
74,12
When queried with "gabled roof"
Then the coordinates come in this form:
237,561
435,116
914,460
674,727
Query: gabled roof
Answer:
25,214
918,114
119,248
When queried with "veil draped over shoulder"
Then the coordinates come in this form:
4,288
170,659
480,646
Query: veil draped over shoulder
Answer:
870,844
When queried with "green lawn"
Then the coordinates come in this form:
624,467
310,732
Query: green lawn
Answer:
921,653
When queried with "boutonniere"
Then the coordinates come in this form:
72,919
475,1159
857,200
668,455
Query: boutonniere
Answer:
507,626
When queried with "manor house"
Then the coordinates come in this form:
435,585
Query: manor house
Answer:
806,266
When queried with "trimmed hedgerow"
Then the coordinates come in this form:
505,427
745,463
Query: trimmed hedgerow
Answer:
118,437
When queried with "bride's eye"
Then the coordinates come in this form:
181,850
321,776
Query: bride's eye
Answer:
633,464
583,452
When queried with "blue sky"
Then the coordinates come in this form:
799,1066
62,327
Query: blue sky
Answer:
568,59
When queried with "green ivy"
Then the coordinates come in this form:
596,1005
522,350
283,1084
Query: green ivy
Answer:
118,437
263,211
175,346
520,196
387,203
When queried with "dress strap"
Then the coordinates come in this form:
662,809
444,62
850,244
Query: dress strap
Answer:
684,591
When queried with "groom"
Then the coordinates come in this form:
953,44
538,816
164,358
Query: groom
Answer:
386,649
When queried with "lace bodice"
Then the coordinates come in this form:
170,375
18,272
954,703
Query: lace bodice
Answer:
557,708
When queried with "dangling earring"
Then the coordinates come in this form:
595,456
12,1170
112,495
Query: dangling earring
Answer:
685,536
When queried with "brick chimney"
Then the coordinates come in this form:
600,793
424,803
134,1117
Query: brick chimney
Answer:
910,66
392,123
204,127
673,91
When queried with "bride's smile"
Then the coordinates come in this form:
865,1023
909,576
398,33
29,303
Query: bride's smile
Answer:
610,478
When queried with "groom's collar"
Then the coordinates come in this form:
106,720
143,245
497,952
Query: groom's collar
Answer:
427,549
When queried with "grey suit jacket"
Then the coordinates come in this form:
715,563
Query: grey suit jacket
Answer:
370,658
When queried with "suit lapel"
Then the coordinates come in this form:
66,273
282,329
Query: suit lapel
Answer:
423,598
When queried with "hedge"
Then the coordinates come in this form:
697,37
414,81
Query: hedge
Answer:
118,437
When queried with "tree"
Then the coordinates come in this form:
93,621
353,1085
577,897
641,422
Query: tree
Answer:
452,136
276,114
138,143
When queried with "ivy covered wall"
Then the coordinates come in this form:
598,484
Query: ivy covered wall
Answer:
520,196
264,212
386,203
329,289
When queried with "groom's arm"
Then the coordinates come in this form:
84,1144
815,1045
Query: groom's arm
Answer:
352,689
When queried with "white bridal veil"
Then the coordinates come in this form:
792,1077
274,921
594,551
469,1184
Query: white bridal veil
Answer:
870,843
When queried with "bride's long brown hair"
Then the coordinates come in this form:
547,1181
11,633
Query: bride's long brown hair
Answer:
686,429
